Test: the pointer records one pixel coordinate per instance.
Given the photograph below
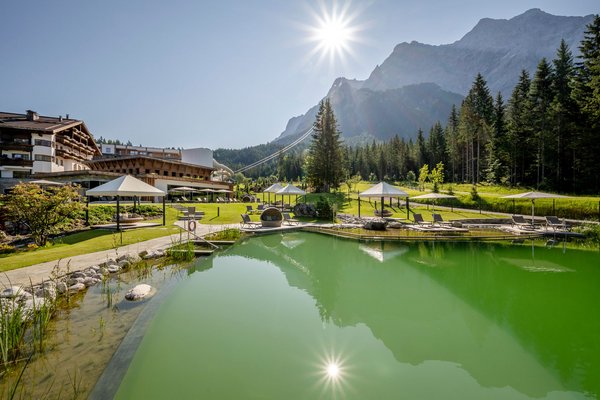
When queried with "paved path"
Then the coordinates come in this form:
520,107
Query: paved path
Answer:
39,272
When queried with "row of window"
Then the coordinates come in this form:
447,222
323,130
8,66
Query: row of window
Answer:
158,172
42,142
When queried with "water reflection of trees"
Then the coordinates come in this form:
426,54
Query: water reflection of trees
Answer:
542,299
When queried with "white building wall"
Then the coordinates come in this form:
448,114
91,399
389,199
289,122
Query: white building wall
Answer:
108,149
199,156
44,156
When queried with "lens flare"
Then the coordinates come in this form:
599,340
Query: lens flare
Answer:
334,31
333,370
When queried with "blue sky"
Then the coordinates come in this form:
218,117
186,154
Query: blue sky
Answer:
208,73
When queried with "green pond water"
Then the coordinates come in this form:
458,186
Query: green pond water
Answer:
308,316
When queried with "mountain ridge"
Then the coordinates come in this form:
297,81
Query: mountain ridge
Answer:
497,48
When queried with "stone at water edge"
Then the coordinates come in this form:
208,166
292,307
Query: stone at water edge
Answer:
12,291
76,288
61,287
376,224
139,292
113,268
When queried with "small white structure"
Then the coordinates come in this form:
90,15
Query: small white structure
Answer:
382,190
126,186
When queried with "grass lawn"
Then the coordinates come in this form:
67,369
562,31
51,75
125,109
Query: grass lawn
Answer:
88,242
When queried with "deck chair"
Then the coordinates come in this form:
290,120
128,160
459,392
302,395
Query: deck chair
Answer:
260,208
419,220
521,222
249,210
555,223
438,220
248,223
289,220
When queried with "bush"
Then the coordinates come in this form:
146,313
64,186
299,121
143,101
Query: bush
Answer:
6,248
324,209
591,232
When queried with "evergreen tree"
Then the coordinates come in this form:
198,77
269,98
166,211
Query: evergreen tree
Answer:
540,98
519,130
498,146
437,144
563,116
586,93
421,149
452,143
324,162
476,116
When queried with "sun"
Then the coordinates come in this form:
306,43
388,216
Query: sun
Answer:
333,35
334,31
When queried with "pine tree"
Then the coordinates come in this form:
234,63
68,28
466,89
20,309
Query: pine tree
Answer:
421,149
540,98
586,93
437,144
519,130
498,146
476,116
452,143
324,161
563,116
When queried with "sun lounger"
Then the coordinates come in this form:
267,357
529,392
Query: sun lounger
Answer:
419,220
289,220
555,223
247,223
438,220
249,210
521,222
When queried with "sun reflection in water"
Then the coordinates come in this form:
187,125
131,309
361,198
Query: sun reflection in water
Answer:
333,370
333,377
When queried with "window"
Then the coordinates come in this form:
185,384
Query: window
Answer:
41,142
43,157
20,156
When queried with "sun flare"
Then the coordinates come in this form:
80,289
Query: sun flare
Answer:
334,31
333,35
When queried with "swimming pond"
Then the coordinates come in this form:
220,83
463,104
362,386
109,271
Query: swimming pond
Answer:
302,315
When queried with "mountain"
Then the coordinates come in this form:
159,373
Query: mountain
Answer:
418,83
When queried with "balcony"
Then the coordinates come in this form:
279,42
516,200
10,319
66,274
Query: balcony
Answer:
16,146
15,162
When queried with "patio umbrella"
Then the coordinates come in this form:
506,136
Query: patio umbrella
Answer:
434,196
289,190
533,196
383,190
183,189
223,191
274,188
211,191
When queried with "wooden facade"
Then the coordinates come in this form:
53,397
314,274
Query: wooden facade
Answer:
148,166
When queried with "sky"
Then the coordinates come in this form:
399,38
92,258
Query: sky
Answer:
216,74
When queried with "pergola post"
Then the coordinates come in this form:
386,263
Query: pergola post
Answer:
118,213
87,210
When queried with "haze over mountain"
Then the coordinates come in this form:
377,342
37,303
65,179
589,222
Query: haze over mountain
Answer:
418,83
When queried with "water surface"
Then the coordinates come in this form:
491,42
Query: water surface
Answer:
305,316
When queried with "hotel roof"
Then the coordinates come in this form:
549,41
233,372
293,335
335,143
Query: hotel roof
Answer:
43,123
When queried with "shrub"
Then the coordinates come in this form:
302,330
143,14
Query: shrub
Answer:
324,209
6,248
